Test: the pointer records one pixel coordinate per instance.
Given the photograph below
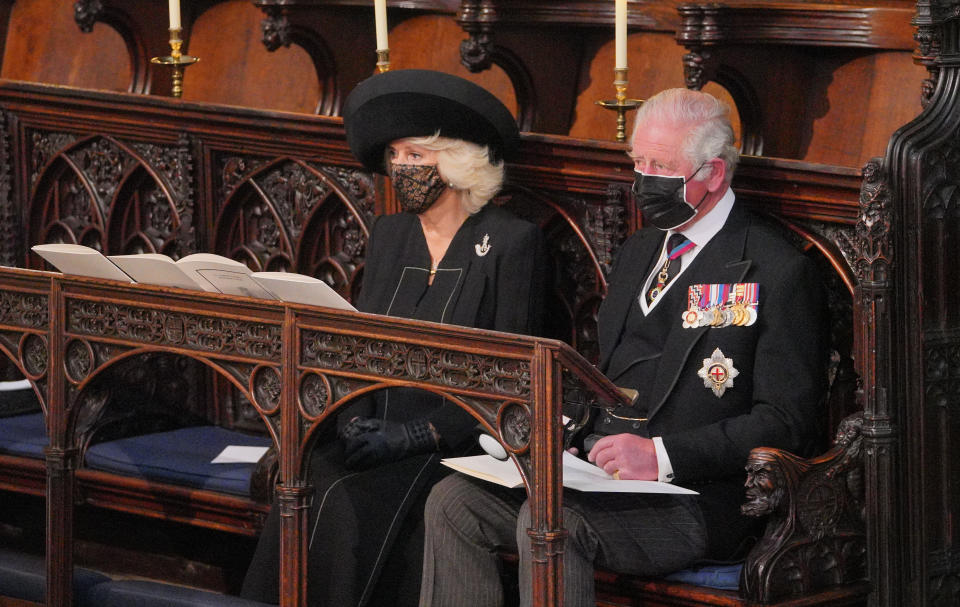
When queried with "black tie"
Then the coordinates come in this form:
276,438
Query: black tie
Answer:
677,245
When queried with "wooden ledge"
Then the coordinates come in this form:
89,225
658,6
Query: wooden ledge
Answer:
831,25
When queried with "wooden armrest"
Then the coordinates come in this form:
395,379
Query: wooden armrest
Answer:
815,536
264,477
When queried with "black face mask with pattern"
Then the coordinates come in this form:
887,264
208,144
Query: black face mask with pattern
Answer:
418,186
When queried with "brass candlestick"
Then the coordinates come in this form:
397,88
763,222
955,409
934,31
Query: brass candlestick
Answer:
621,104
383,60
177,61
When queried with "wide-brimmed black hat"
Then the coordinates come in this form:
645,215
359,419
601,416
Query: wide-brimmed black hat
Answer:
416,103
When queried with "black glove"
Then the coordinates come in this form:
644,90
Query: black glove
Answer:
368,442
359,425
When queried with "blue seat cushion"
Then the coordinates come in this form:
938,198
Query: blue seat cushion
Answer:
23,576
180,457
721,577
23,435
141,593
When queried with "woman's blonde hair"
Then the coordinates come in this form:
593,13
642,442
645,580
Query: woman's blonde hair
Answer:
466,167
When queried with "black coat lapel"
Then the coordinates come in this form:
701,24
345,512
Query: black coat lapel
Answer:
630,272
467,292
722,261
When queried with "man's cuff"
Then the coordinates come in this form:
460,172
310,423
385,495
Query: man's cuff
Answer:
664,469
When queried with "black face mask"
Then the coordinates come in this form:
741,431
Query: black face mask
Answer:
662,200
417,186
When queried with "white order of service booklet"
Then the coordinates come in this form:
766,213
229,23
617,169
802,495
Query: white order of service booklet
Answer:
577,474
198,272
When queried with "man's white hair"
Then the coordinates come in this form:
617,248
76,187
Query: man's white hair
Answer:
706,121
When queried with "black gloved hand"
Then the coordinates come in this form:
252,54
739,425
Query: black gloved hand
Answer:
370,442
359,425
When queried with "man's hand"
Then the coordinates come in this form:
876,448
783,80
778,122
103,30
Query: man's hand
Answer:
632,457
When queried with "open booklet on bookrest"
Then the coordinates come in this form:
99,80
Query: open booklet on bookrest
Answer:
199,272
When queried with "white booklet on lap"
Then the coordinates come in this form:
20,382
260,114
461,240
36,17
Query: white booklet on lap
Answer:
577,474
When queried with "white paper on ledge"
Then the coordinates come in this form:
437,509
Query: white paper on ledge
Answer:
10,386
238,454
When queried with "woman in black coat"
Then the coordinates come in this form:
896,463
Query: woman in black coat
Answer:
448,258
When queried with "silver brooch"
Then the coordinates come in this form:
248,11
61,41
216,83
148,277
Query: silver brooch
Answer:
718,373
483,248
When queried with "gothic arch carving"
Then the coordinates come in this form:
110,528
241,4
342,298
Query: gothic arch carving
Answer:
274,205
133,391
111,195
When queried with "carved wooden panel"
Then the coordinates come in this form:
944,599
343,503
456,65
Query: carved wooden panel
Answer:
815,534
288,215
24,316
11,245
112,195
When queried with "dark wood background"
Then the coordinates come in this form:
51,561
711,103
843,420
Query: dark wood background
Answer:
827,83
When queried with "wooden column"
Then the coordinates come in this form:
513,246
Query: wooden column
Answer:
293,495
547,534
61,463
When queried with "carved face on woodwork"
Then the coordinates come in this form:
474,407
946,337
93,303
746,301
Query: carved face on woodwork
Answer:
765,485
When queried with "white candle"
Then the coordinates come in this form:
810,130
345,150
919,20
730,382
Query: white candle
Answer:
380,17
174,14
620,28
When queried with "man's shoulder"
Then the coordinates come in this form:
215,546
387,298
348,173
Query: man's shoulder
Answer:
642,237
768,238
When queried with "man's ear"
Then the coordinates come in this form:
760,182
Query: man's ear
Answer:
718,175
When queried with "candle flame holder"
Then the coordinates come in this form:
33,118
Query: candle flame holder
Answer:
383,60
621,104
176,60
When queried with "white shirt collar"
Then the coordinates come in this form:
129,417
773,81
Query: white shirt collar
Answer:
700,234
702,231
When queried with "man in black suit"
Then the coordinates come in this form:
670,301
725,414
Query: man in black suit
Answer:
719,324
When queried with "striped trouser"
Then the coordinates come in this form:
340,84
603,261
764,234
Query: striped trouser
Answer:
469,521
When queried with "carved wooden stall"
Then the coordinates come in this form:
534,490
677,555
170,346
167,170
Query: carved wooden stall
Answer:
906,299
282,191
131,173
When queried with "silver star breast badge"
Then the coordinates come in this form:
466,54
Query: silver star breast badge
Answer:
718,373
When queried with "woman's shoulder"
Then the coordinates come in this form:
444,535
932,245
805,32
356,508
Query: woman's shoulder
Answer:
391,223
504,222
392,228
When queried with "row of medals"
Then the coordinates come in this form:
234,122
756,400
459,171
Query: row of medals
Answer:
738,315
